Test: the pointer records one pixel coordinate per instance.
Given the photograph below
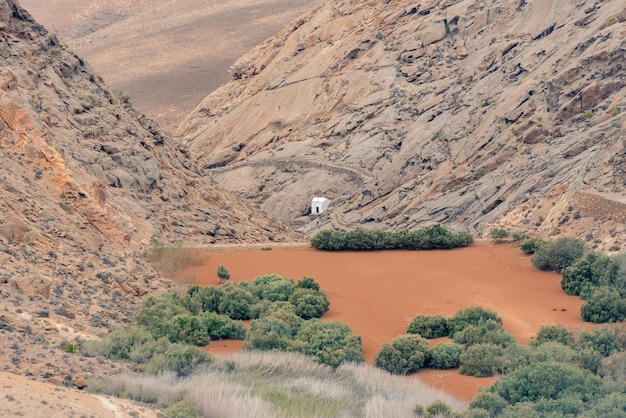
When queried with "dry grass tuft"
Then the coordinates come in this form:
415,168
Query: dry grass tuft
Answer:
278,384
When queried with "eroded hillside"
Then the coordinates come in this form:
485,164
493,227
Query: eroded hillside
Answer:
167,54
471,113
85,184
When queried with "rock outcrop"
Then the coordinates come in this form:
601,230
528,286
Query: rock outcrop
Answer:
86,184
465,112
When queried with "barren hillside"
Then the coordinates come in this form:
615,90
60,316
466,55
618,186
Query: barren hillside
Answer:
167,54
471,113
85,185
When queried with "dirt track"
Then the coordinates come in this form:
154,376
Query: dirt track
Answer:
377,293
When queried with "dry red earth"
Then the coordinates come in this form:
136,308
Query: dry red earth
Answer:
378,293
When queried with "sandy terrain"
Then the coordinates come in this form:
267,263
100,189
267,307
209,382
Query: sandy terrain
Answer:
23,397
378,293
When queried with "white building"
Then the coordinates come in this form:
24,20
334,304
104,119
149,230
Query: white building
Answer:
319,205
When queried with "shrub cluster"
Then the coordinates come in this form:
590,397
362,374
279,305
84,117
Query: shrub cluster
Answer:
434,237
474,331
597,278
558,254
557,375
169,325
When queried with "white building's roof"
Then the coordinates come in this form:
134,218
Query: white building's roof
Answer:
319,199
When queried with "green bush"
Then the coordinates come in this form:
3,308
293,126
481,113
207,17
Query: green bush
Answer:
604,305
593,269
518,236
187,329
530,245
207,299
269,333
119,344
556,333
236,301
406,354
181,409
445,356
308,283
481,360
438,409
499,234
331,343
428,326
178,358
474,315
157,311
221,326
434,237
309,303
489,331
553,351
489,401
558,254
546,380
605,341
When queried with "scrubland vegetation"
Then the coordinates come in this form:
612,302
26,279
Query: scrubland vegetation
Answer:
561,373
431,238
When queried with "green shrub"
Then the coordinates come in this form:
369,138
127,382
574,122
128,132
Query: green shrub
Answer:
206,298
236,302
489,331
556,333
434,237
269,333
445,356
530,245
558,254
288,315
471,316
406,354
499,234
604,305
222,273
178,358
187,329
308,283
419,411
143,353
546,380
603,340
489,401
481,360
118,344
181,409
589,359
518,236
592,270
438,409
157,311
428,326
330,240
553,351
309,303
331,343
221,326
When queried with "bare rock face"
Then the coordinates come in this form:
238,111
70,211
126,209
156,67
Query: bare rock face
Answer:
85,184
468,113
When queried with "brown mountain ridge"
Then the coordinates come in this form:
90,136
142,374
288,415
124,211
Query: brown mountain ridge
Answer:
86,183
468,113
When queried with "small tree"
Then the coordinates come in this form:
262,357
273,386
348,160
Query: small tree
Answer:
222,273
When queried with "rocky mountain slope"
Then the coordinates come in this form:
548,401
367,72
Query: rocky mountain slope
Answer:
167,54
86,183
470,113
